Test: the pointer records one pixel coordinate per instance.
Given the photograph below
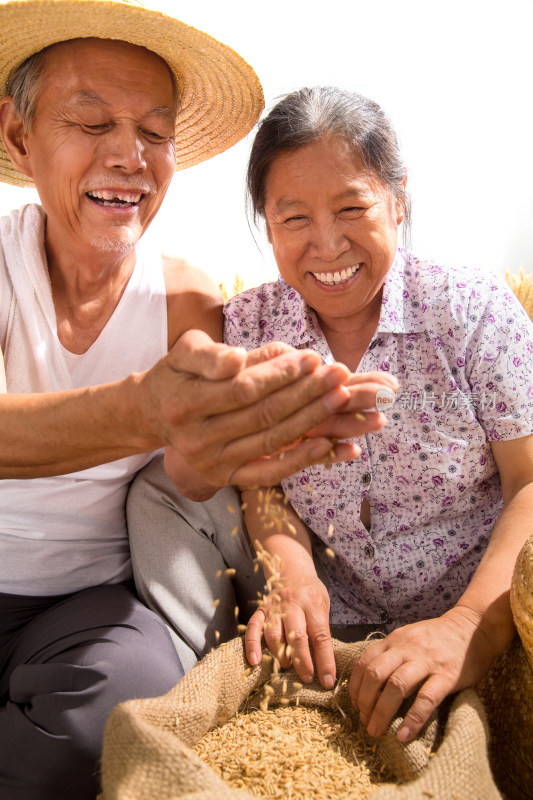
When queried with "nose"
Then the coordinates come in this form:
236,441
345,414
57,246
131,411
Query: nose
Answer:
328,240
125,149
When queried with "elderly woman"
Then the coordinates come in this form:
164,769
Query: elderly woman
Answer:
417,537
426,524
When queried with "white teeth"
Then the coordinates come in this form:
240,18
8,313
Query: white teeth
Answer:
115,197
333,278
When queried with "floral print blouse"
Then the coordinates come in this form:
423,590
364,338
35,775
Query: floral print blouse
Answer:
461,346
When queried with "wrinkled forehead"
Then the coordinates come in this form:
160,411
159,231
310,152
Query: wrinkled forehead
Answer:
123,58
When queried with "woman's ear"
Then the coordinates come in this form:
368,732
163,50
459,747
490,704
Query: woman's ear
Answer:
401,204
14,132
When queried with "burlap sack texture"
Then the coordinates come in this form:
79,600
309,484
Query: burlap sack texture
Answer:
507,692
147,755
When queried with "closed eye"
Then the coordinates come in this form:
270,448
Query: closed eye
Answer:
95,129
352,210
295,222
155,137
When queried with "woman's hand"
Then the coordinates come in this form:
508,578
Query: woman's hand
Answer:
428,659
294,620
370,393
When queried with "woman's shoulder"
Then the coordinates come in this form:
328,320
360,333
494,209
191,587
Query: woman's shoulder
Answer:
260,314
457,286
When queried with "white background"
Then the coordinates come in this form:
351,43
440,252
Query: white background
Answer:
455,77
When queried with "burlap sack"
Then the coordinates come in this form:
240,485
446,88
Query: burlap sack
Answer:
147,755
507,692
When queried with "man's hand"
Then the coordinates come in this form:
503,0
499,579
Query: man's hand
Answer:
229,412
428,659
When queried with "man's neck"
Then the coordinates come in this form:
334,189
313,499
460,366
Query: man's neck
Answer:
86,289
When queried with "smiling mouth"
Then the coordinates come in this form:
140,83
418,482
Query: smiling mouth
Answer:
336,278
115,199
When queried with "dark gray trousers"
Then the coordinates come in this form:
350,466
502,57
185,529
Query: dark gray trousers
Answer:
64,664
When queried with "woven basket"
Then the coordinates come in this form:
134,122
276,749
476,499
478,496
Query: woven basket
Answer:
147,751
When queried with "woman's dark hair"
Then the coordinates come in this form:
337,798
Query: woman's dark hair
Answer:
309,115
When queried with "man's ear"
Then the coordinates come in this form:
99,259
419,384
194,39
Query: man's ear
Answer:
14,132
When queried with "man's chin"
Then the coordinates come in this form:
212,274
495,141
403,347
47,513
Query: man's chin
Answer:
116,243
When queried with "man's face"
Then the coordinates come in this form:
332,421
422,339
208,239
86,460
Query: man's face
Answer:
101,148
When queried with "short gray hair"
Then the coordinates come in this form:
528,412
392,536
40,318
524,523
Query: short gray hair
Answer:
24,85
309,115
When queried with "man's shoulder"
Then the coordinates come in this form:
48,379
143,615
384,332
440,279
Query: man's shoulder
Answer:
193,298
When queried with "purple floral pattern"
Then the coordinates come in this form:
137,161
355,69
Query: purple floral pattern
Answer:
460,344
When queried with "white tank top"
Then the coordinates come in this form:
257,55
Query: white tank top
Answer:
67,533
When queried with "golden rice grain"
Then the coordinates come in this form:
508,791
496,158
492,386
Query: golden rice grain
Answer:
293,752
230,572
291,528
330,553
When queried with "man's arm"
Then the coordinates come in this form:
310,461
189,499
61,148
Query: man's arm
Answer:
222,408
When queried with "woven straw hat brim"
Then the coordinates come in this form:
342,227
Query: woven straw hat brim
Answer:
220,95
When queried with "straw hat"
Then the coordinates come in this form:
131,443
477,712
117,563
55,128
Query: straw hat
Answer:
220,95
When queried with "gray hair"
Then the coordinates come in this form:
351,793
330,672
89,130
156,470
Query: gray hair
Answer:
24,85
309,115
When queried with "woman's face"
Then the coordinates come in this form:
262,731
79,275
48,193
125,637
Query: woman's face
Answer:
333,227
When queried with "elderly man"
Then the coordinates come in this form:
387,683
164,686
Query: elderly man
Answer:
110,355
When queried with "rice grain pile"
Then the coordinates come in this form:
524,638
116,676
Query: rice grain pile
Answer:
293,753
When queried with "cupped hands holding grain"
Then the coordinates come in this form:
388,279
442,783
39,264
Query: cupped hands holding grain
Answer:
230,413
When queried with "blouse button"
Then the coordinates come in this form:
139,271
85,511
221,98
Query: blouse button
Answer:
366,478
369,551
384,617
